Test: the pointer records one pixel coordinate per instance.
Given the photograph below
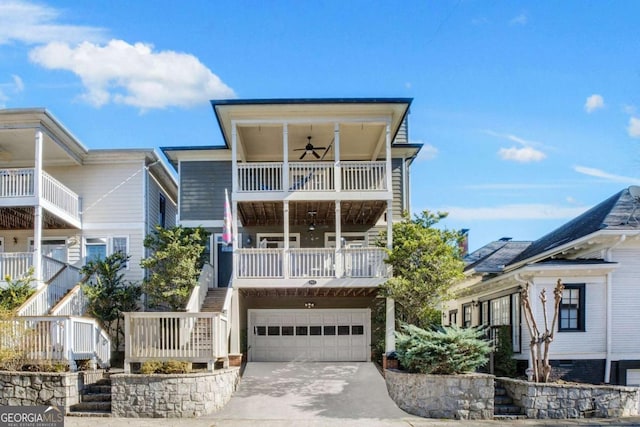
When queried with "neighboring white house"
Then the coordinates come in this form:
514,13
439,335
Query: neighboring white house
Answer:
311,183
61,203
597,257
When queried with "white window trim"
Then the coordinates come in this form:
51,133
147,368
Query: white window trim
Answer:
364,235
293,237
108,243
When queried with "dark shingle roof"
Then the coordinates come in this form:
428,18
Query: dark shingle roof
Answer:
492,257
611,214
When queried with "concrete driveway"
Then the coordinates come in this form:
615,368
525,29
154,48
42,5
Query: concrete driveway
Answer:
311,391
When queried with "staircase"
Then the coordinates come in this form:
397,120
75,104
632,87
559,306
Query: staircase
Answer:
503,407
214,301
95,400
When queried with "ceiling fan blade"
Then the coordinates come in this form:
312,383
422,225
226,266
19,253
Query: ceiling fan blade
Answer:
315,154
319,148
303,154
299,149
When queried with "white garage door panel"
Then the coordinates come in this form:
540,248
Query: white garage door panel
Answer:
633,377
313,335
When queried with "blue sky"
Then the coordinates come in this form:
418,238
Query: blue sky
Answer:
529,111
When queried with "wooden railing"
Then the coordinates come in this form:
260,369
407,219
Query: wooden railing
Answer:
21,183
46,297
74,303
311,176
310,262
316,262
56,338
163,336
15,264
199,292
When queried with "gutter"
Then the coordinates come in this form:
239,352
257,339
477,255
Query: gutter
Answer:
609,291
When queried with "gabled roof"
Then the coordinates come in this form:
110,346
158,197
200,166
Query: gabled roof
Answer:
611,214
493,257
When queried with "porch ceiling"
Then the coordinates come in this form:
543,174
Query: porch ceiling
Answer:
21,218
308,292
365,212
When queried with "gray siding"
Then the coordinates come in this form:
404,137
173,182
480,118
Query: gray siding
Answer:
397,187
202,185
402,137
153,207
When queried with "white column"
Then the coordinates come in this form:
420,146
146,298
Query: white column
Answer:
388,155
285,157
234,347
234,242
390,326
285,251
234,157
389,224
338,255
37,210
337,173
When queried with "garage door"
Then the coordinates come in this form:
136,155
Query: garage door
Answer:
309,335
633,377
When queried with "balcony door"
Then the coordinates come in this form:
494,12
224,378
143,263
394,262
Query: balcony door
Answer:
52,248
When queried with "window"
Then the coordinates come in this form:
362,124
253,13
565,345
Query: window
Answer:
162,210
96,249
287,330
329,330
343,330
357,330
484,313
572,308
466,315
453,317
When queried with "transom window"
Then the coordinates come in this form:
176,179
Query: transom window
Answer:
572,308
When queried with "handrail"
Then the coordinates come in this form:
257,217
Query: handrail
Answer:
199,292
47,296
60,195
74,303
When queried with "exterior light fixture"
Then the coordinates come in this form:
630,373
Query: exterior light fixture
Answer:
309,304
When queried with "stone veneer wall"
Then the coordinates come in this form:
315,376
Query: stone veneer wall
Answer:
568,400
462,397
40,388
171,395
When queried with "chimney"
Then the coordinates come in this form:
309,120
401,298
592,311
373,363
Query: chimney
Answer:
463,245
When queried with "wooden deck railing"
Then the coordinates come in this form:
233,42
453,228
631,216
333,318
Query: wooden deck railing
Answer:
56,338
309,262
311,176
47,296
21,183
163,336
199,292
15,264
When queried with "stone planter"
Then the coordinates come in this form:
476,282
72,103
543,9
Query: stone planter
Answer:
460,397
40,388
570,400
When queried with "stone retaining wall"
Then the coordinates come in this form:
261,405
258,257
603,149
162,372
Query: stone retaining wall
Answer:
171,396
40,388
461,397
569,400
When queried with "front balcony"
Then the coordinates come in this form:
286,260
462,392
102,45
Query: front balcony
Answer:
18,189
311,263
312,176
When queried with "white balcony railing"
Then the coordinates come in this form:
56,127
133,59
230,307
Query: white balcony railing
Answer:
15,264
311,176
199,292
162,336
61,338
21,183
310,262
49,295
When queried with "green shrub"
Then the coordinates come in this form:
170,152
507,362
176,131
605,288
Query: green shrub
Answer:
168,367
443,351
17,291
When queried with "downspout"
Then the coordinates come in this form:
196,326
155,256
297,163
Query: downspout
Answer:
609,290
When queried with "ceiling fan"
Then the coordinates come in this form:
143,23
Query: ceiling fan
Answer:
310,149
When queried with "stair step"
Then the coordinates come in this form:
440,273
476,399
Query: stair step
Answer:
89,413
500,391
509,417
97,389
91,406
97,397
507,410
502,400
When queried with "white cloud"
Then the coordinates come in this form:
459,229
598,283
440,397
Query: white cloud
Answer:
599,173
511,137
32,23
428,151
593,103
13,87
634,127
18,83
522,154
134,75
513,186
533,211
629,109
521,19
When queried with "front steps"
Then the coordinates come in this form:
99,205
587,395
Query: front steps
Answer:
214,301
503,407
95,400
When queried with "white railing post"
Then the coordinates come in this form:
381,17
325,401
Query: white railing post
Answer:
69,341
37,210
285,257
128,342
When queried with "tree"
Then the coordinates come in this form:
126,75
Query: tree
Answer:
540,357
174,265
426,262
109,294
